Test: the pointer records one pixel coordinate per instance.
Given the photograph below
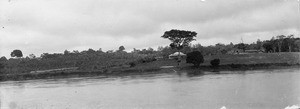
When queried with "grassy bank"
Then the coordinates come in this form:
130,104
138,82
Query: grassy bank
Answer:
258,58
227,62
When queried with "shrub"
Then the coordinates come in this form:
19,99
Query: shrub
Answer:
195,58
1,68
215,62
132,64
147,59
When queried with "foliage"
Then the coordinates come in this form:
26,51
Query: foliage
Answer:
195,58
88,60
121,48
66,52
258,45
89,51
165,51
297,44
215,62
241,46
3,59
16,53
147,59
132,64
99,60
49,56
268,46
144,51
1,66
179,38
282,43
256,58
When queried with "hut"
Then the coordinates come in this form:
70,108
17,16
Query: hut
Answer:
176,55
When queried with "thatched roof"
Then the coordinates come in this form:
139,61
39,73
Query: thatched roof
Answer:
177,53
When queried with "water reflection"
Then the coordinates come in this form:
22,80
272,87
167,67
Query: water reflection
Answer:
193,89
194,73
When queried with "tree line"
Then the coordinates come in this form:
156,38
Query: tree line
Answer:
98,60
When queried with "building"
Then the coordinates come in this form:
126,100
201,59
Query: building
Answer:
176,55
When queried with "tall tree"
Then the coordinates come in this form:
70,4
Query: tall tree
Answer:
280,41
258,44
241,46
297,43
16,53
179,39
268,46
290,40
273,43
3,60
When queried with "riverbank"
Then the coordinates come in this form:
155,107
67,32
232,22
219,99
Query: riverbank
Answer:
138,71
228,63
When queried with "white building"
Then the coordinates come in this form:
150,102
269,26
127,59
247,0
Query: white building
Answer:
176,55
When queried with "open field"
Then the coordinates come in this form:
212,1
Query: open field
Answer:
227,59
256,58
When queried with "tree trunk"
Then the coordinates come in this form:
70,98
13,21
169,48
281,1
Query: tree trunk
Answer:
290,48
279,48
178,58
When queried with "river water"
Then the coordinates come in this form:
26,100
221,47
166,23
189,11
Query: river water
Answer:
258,89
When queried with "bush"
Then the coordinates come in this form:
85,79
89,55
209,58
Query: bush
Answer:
195,58
1,68
132,64
147,59
215,62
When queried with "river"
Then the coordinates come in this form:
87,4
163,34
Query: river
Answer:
256,89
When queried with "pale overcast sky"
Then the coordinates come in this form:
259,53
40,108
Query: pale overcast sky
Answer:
40,26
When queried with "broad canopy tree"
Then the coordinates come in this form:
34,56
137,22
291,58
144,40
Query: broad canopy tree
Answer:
179,39
16,53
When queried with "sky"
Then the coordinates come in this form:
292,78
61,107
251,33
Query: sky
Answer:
52,26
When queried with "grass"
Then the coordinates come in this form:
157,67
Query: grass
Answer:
232,62
258,58
227,62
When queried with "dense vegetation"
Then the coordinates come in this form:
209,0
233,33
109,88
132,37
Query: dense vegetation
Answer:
180,39
97,60
215,62
16,53
89,60
195,57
